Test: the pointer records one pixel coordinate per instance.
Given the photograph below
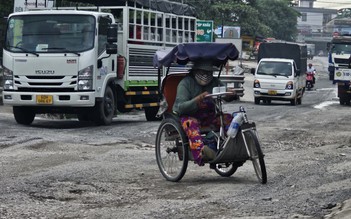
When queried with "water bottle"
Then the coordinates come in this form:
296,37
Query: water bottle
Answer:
235,124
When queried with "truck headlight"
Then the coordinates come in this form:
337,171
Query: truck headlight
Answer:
256,84
85,78
8,79
289,85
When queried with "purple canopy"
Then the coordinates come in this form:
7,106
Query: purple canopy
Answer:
217,53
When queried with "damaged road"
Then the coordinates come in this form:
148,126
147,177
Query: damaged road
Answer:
66,169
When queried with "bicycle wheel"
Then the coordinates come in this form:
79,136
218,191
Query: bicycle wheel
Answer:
172,153
227,169
256,155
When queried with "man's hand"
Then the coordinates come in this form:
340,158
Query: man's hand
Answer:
199,99
232,91
232,96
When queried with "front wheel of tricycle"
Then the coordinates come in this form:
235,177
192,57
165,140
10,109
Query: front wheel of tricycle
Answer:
172,153
256,155
228,169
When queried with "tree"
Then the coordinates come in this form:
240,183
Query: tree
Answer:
279,17
6,7
267,18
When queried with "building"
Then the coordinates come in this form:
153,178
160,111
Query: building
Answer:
312,24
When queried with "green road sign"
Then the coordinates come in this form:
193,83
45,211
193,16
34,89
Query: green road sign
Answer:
204,31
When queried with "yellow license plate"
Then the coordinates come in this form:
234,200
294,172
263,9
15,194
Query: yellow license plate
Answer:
44,99
272,92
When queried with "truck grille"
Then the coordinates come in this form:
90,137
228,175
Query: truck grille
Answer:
342,61
46,89
43,83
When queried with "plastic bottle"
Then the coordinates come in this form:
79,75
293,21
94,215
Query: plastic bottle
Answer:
235,124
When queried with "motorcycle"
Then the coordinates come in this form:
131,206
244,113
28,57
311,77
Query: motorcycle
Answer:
309,80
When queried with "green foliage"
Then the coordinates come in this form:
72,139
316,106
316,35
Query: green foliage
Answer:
267,18
6,7
279,17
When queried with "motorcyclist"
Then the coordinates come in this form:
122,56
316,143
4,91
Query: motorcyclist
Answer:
311,69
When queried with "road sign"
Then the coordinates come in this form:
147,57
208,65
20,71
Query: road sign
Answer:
204,31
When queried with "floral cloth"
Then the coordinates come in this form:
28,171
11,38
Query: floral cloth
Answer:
206,117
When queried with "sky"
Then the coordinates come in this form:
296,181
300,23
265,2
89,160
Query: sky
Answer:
332,4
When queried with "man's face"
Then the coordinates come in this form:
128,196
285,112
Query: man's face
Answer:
203,77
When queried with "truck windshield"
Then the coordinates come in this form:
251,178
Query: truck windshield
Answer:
274,68
341,48
50,33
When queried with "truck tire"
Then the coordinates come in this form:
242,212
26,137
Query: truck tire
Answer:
299,100
267,101
150,114
293,102
344,100
257,100
105,109
23,115
84,117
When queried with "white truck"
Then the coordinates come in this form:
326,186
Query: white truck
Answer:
280,73
339,56
90,61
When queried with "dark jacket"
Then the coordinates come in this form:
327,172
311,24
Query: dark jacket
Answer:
188,88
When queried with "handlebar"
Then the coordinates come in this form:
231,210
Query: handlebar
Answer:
218,94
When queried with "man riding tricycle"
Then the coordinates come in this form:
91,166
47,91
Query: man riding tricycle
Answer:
194,126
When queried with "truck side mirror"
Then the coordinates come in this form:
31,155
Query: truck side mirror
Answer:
112,30
252,70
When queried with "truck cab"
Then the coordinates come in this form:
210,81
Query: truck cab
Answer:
93,62
339,57
339,51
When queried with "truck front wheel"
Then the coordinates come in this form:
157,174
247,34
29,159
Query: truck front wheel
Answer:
84,117
150,113
104,110
344,99
293,102
23,115
257,100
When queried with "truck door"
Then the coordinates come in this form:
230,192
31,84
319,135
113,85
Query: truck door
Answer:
108,65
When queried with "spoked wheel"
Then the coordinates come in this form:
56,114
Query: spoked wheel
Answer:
256,155
172,153
227,169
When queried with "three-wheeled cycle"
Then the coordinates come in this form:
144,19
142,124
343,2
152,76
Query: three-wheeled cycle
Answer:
172,145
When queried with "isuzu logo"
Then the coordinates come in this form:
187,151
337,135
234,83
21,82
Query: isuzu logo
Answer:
44,72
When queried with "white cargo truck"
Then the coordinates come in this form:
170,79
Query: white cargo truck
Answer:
339,56
90,61
280,73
